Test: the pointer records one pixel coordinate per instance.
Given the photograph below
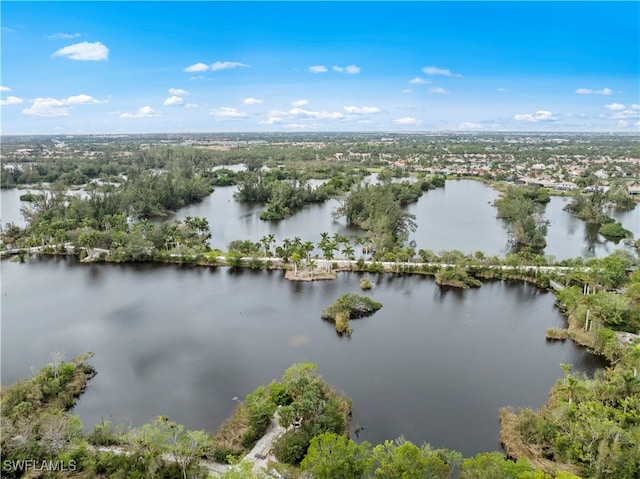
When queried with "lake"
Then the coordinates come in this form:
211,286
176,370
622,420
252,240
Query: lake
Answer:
460,216
433,364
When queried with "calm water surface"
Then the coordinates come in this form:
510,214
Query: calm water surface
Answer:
460,216
433,365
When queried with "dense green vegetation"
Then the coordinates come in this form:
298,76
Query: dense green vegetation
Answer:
590,426
589,207
457,277
379,210
37,428
522,208
349,306
306,406
285,191
614,230
116,220
592,208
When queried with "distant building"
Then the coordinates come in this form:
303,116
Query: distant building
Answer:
633,188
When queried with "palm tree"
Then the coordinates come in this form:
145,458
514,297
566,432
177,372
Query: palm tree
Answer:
572,383
367,245
311,264
295,259
272,240
285,250
348,251
307,247
328,254
265,242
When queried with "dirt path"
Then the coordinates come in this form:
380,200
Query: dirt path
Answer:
260,455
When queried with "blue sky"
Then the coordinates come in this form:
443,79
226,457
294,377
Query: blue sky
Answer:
147,67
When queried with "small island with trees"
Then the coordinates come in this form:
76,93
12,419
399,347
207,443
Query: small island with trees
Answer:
349,306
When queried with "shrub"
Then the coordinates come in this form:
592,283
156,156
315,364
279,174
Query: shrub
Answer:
342,322
614,230
291,447
279,395
375,268
557,334
226,455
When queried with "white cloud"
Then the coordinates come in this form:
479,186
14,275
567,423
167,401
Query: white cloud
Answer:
502,90
317,69
419,81
64,36
54,107
361,110
173,100
11,100
299,103
405,120
4,88
227,113
318,115
438,91
468,125
226,65
191,105
82,99
252,101
623,123
350,69
540,115
635,106
406,90
300,126
590,91
87,51
178,91
615,107
197,67
47,107
440,71
622,114
203,67
143,112
272,120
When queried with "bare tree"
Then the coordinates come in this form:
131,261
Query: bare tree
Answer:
57,358
53,431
